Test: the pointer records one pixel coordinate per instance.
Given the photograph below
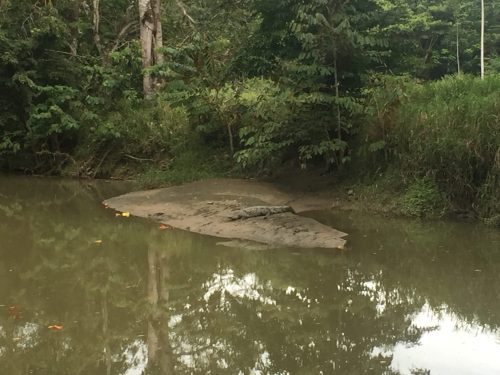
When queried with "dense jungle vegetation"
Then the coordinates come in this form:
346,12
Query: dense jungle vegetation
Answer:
392,93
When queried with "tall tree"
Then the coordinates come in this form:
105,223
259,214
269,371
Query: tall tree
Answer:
151,36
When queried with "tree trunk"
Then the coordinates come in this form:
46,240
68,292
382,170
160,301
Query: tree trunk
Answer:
96,20
482,39
458,52
151,41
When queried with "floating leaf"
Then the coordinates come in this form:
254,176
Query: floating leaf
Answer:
124,214
164,226
98,242
55,327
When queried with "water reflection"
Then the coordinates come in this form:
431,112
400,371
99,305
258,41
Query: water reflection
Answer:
134,300
160,356
450,346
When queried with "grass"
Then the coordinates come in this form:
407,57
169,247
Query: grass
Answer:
443,137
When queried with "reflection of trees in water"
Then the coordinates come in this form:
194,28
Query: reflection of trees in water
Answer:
243,322
452,264
58,275
173,301
160,356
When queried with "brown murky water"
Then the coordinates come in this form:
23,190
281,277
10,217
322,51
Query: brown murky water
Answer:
122,296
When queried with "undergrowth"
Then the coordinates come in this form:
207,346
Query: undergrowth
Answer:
186,167
422,199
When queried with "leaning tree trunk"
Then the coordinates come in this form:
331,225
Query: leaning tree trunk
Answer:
151,42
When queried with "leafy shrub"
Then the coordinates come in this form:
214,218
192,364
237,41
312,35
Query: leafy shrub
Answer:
266,122
421,199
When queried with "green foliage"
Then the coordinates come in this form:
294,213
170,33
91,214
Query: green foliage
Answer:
147,133
313,81
272,122
316,49
121,76
421,199
451,129
53,114
266,122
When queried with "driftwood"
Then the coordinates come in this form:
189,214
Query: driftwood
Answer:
255,211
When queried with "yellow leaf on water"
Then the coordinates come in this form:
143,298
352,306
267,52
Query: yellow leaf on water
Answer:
55,327
98,242
126,214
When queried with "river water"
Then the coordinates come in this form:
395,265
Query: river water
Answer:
83,291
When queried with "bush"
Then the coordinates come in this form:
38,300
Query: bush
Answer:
421,199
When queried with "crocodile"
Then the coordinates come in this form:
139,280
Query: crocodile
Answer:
255,211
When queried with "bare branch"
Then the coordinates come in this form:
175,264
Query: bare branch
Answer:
181,5
136,158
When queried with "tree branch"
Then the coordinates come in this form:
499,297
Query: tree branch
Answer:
122,33
136,158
